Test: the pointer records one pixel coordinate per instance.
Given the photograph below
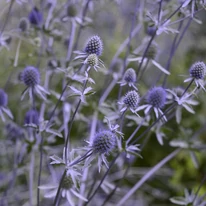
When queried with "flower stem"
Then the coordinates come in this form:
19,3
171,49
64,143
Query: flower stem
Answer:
149,174
40,170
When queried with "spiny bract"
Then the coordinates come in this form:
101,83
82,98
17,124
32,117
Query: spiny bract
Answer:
92,60
67,182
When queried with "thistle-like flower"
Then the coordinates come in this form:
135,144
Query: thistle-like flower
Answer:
197,72
3,105
24,25
31,117
35,17
72,15
94,46
101,145
185,101
70,189
104,142
129,78
70,184
149,57
131,101
93,62
190,198
156,99
31,78
92,50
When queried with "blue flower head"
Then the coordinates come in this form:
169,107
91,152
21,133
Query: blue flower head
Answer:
24,24
32,117
131,99
130,76
156,97
198,70
35,17
31,76
104,142
94,46
3,98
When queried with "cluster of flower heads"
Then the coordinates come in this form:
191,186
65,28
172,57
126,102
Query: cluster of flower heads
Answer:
106,141
91,53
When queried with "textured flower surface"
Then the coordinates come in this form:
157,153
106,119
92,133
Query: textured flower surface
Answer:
35,17
32,117
197,72
94,46
31,78
93,62
129,78
104,142
156,99
131,101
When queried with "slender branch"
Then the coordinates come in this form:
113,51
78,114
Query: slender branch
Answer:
105,175
149,174
40,169
7,18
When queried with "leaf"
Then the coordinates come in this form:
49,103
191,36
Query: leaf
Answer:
178,200
160,67
55,132
56,160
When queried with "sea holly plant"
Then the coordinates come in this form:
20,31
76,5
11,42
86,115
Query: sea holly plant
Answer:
190,198
108,116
